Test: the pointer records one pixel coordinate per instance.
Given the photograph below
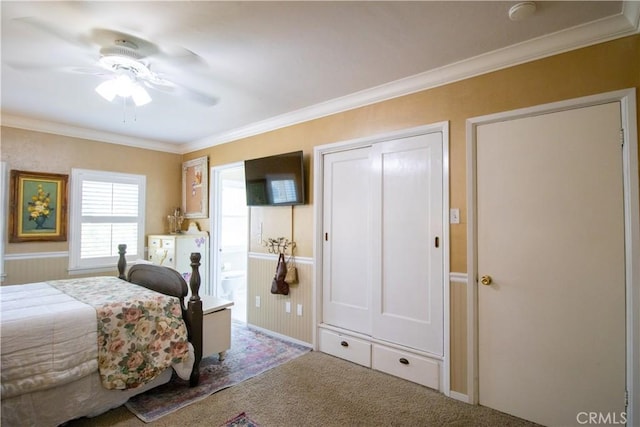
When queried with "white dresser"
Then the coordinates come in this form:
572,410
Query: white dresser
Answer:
174,250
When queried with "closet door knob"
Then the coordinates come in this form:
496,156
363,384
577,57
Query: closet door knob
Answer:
404,361
344,344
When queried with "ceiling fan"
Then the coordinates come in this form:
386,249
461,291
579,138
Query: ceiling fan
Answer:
126,64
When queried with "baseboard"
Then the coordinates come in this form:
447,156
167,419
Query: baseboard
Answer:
279,336
459,396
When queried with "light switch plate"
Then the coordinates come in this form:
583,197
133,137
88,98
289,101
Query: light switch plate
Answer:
454,216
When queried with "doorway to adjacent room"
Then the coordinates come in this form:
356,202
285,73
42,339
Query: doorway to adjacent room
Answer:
229,228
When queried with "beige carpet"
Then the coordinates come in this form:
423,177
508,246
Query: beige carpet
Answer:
320,390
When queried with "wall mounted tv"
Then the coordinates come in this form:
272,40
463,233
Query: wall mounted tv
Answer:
275,180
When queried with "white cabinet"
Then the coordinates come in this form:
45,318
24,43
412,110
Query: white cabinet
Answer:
382,256
174,250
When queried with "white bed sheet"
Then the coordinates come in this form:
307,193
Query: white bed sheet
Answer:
82,398
60,346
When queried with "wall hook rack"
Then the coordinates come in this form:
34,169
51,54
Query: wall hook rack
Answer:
279,245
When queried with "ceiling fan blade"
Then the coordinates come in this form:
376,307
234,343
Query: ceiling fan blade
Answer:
25,66
79,40
173,88
180,56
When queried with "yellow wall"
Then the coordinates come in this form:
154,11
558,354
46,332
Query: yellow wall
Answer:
605,67
602,68
43,152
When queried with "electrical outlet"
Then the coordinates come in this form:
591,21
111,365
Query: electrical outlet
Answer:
287,306
257,301
299,309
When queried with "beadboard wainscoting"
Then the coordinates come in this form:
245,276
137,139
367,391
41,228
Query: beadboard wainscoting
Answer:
458,335
272,313
40,266
35,267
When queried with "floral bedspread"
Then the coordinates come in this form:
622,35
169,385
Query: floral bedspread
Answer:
140,332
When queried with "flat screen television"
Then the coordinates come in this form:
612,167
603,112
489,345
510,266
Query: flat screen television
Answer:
275,180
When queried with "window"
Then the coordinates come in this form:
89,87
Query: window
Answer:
107,209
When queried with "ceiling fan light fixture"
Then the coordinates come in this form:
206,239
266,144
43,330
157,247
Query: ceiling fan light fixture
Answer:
125,87
107,90
140,96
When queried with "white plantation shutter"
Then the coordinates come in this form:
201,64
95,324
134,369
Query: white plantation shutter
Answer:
107,210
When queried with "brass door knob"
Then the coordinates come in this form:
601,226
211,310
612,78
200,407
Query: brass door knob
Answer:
486,280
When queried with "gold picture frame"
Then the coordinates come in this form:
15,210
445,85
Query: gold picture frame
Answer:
195,188
38,207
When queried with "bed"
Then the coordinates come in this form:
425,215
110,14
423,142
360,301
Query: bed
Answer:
53,371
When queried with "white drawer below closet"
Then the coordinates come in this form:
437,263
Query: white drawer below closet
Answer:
406,365
345,347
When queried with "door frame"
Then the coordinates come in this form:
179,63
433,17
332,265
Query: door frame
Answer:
215,206
318,233
629,132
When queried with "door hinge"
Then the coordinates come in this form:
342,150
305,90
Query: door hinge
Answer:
437,242
326,237
622,137
626,400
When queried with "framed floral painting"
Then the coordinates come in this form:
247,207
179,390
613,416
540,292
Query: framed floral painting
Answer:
195,188
37,207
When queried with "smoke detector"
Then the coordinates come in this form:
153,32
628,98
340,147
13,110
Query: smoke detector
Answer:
522,11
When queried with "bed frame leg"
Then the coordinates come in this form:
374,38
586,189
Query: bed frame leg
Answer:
194,313
122,261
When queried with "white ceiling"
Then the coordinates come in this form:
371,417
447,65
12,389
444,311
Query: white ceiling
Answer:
269,64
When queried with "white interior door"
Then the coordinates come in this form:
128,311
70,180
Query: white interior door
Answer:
408,301
550,235
346,250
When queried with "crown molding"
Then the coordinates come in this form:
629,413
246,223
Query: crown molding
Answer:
624,24
621,25
84,133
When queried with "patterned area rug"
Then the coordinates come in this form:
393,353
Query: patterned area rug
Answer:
251,353
240,421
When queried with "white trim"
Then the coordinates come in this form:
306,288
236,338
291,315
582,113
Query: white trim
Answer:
215,206
459,396
36,125
271,257
318,178
632,233
35,255
562,41
612,27
4,210
279,336
458,277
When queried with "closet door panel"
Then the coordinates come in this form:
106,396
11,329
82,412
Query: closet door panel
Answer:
408,287
347,240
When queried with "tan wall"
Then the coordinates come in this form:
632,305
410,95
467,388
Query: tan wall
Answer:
601,68
43,152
